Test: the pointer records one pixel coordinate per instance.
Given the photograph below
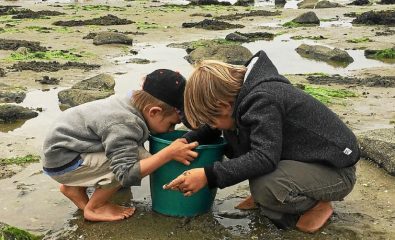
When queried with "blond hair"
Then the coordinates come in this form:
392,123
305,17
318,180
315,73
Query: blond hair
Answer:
141,100
210,84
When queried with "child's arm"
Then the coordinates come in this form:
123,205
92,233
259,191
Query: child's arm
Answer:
120,142
180,150
189,182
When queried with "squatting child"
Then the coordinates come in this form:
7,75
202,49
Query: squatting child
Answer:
296,153
100,144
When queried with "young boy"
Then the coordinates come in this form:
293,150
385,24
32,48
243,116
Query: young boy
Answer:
297,154
97,144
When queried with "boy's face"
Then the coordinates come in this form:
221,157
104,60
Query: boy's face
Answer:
157,123
225,120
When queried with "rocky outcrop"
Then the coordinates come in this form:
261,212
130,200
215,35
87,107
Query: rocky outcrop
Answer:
103,21
49,80
209,24
379,146
10,94
10,113
323,53
112,38
39,14
307,4
371,81
360,2
53,66
376,18
327,4
11,44
387,2
249,37
208,2
244,3
307,18
97,87
233,54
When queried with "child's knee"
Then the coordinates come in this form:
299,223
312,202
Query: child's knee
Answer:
63,189
268,191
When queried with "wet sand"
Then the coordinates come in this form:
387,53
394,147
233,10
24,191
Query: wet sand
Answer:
32,201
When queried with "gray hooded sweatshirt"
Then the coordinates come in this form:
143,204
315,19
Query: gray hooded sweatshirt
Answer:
276,121
110,125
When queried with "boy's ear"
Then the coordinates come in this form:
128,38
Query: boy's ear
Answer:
226,105
153,111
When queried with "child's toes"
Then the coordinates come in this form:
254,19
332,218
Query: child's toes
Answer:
129,211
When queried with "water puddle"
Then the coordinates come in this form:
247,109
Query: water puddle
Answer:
343,23
160,57
46,100
293,63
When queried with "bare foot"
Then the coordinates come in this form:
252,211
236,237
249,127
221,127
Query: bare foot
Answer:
312,220
247,204
76,194
107,213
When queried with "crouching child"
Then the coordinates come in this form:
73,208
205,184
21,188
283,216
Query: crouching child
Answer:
97,144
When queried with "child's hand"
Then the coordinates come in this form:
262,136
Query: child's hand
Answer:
189,182
181,151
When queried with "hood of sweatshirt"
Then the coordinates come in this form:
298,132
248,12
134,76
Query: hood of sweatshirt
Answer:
261,71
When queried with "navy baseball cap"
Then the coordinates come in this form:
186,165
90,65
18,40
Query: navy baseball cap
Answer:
167,86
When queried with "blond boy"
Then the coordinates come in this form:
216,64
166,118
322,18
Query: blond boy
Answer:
97,144
296,153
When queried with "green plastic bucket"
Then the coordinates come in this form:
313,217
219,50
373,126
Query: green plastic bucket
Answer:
173,203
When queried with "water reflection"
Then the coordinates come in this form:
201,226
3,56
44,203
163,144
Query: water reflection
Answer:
282,53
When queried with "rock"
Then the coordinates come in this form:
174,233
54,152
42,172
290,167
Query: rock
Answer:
327,4
2,72
307,4
233,54
244,3
90,35
94,88
53,66
307,18
280,2
323,53
8,232
249,37
101,82
48,80
11,44
39,14
371,53
74,97
360,3
379,146
112,38
22,50
10,94
387,2
212,25
208,2
103,21
371,81
139,61
237,37
376,18
10,113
